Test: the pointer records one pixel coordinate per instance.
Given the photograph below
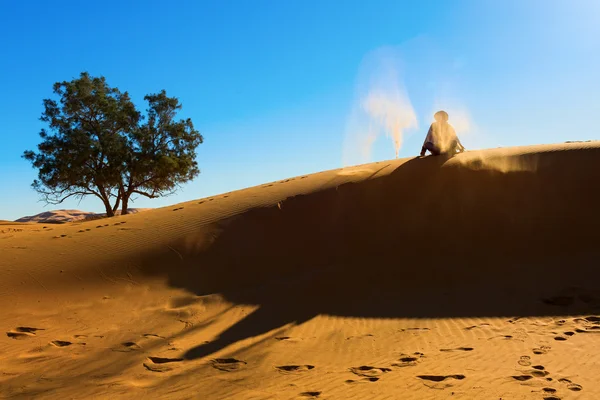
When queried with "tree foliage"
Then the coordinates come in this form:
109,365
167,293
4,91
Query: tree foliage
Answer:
97,143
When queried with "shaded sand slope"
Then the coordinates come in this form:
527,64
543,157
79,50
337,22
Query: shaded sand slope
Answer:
469,277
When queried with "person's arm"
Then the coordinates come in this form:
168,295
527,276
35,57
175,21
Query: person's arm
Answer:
461,148
427,139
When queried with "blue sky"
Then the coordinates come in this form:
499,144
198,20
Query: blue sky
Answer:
272,84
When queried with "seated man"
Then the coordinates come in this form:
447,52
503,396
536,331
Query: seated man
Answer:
441,138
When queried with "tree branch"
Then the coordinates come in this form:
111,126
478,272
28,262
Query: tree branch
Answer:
152,195
59,200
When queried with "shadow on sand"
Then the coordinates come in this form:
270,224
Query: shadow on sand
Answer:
426,241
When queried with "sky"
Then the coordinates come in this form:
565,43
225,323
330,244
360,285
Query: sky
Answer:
277,88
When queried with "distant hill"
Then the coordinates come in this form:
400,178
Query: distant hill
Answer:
62,216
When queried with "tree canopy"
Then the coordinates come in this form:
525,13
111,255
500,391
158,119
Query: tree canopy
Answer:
97,143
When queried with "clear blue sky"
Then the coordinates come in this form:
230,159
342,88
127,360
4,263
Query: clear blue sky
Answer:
271,84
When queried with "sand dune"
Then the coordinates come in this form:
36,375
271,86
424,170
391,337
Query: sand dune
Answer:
62,216
466,278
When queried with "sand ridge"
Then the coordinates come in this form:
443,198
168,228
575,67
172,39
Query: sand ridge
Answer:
470,277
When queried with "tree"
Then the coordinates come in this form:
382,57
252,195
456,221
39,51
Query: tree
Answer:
99,144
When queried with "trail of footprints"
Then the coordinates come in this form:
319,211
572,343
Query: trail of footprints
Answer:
26,332
160,364
22,332
366,373
540,372
590,325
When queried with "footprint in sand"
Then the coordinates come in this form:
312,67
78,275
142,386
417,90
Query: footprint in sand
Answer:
440,382
295,368
440,378
409,360
591,324
368,371
468,328
459,349
363,380
310,394
161,364
539,373
414,329
289,339
505,337
522,378
541,350
22,332
227,364
570,385
591,329
126,347
525,361
366,335
61,343
152,335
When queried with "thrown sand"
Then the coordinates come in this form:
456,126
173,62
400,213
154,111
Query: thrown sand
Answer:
469,278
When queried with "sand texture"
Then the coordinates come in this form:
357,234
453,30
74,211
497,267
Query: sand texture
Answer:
475,277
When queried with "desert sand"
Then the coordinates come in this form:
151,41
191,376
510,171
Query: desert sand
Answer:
474,277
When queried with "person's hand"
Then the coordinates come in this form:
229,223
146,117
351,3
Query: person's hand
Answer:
422,154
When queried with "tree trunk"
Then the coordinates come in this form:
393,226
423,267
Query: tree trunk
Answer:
109,210
125,200
116,206
105,199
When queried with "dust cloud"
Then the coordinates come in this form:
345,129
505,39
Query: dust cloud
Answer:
391,84
381,107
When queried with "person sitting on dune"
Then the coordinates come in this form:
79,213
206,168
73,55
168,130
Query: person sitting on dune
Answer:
441,138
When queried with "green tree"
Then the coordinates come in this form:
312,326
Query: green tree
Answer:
97,143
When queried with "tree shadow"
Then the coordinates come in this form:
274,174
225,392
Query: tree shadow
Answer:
435,238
